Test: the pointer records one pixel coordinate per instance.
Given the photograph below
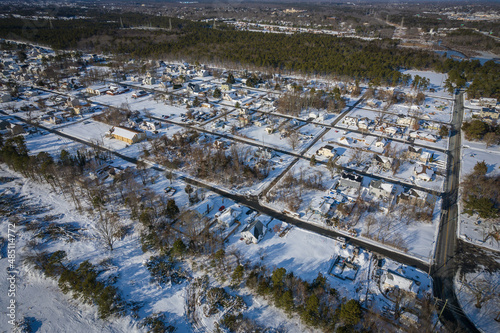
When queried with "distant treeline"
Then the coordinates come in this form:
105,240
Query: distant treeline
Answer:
379,61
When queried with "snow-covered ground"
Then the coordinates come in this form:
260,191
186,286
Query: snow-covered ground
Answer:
472,228
436,81
398,229
481,288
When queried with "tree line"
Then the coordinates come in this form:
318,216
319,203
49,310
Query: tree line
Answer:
379,60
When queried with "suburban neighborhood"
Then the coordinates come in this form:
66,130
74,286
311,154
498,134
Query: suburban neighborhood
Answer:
201,197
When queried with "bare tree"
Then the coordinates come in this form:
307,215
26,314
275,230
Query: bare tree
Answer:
109,228
293,139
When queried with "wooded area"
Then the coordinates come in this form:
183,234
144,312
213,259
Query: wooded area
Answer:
377,61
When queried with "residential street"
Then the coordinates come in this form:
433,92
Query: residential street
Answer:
444,267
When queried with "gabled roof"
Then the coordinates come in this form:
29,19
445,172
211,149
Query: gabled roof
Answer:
124,132
256,229
412,149
403,283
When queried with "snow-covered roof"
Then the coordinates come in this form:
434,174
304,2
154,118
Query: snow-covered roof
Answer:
395,280
264,219
124,132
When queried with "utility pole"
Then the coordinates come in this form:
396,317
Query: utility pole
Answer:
440,315
169,24
121,22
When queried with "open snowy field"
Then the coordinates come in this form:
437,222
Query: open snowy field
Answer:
436,82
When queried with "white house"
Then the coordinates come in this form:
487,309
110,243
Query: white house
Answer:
350,121
327,151
363,124
392,280
254,231
381,143
380,189
405,120
391,130
229,215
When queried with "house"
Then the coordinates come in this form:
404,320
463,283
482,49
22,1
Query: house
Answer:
31,93
431,125
313,115
381,143
203,73
380,189
475,102
406,121
490,113
423,136
391,130
126,134
488,102
269,129
393,280
413,152
230,96
229,216
139,93
53,119
244,120
363,124
423,172
350,180
259,122
254,231
149,80
96,90
150,125
226,86
327,151
425,157
264,153
350,121
193,87
416,197
77,105
384,161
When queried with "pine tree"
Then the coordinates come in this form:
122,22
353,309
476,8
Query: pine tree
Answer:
237,276
230,79
350,312
313,161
